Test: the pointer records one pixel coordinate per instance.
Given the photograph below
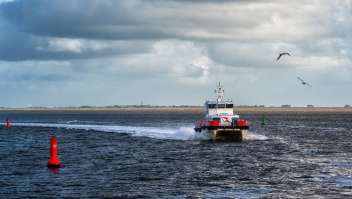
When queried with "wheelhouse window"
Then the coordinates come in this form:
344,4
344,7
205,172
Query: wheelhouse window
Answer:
212,105
221,105
216,119
229,105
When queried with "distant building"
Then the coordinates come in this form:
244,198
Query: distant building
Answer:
261,106
347,106
310,106
286,106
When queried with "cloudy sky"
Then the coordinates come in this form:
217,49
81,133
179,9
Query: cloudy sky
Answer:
174,52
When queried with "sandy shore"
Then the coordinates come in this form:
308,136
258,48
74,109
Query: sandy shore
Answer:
237,110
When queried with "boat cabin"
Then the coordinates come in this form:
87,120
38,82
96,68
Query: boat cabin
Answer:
220,110
218,107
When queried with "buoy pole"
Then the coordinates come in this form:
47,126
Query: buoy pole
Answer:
53,162
263,123
8,123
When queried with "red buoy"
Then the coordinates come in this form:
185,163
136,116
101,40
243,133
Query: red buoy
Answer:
8,123
53,162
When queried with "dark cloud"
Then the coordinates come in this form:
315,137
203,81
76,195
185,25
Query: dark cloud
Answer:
81,19
19,46
28,27
121,20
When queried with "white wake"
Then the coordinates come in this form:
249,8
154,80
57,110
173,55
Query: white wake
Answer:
182,133
252,136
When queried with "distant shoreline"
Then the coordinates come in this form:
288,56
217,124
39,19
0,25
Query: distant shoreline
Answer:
237,110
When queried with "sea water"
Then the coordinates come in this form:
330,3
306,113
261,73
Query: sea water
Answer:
158,155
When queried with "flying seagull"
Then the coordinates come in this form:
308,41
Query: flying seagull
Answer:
282,54
304,82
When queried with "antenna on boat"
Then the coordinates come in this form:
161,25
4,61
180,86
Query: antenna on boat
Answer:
219,93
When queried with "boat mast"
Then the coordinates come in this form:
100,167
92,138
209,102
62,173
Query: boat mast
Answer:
219,93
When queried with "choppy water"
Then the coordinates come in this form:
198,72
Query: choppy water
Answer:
160,156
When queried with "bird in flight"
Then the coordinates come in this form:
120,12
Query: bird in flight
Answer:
282,54
304,82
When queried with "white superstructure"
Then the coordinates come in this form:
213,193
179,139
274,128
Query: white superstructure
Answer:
220,122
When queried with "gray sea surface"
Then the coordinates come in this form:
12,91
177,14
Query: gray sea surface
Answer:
158,155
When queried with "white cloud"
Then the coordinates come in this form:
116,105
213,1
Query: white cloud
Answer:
73,45
172,58
183,58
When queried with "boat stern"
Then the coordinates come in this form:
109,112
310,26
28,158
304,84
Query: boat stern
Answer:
229,135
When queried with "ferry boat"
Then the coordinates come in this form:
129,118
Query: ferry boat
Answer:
220,124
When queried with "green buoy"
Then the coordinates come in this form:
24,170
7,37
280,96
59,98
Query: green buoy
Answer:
263,123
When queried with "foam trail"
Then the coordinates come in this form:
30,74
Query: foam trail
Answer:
252,136
182,133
